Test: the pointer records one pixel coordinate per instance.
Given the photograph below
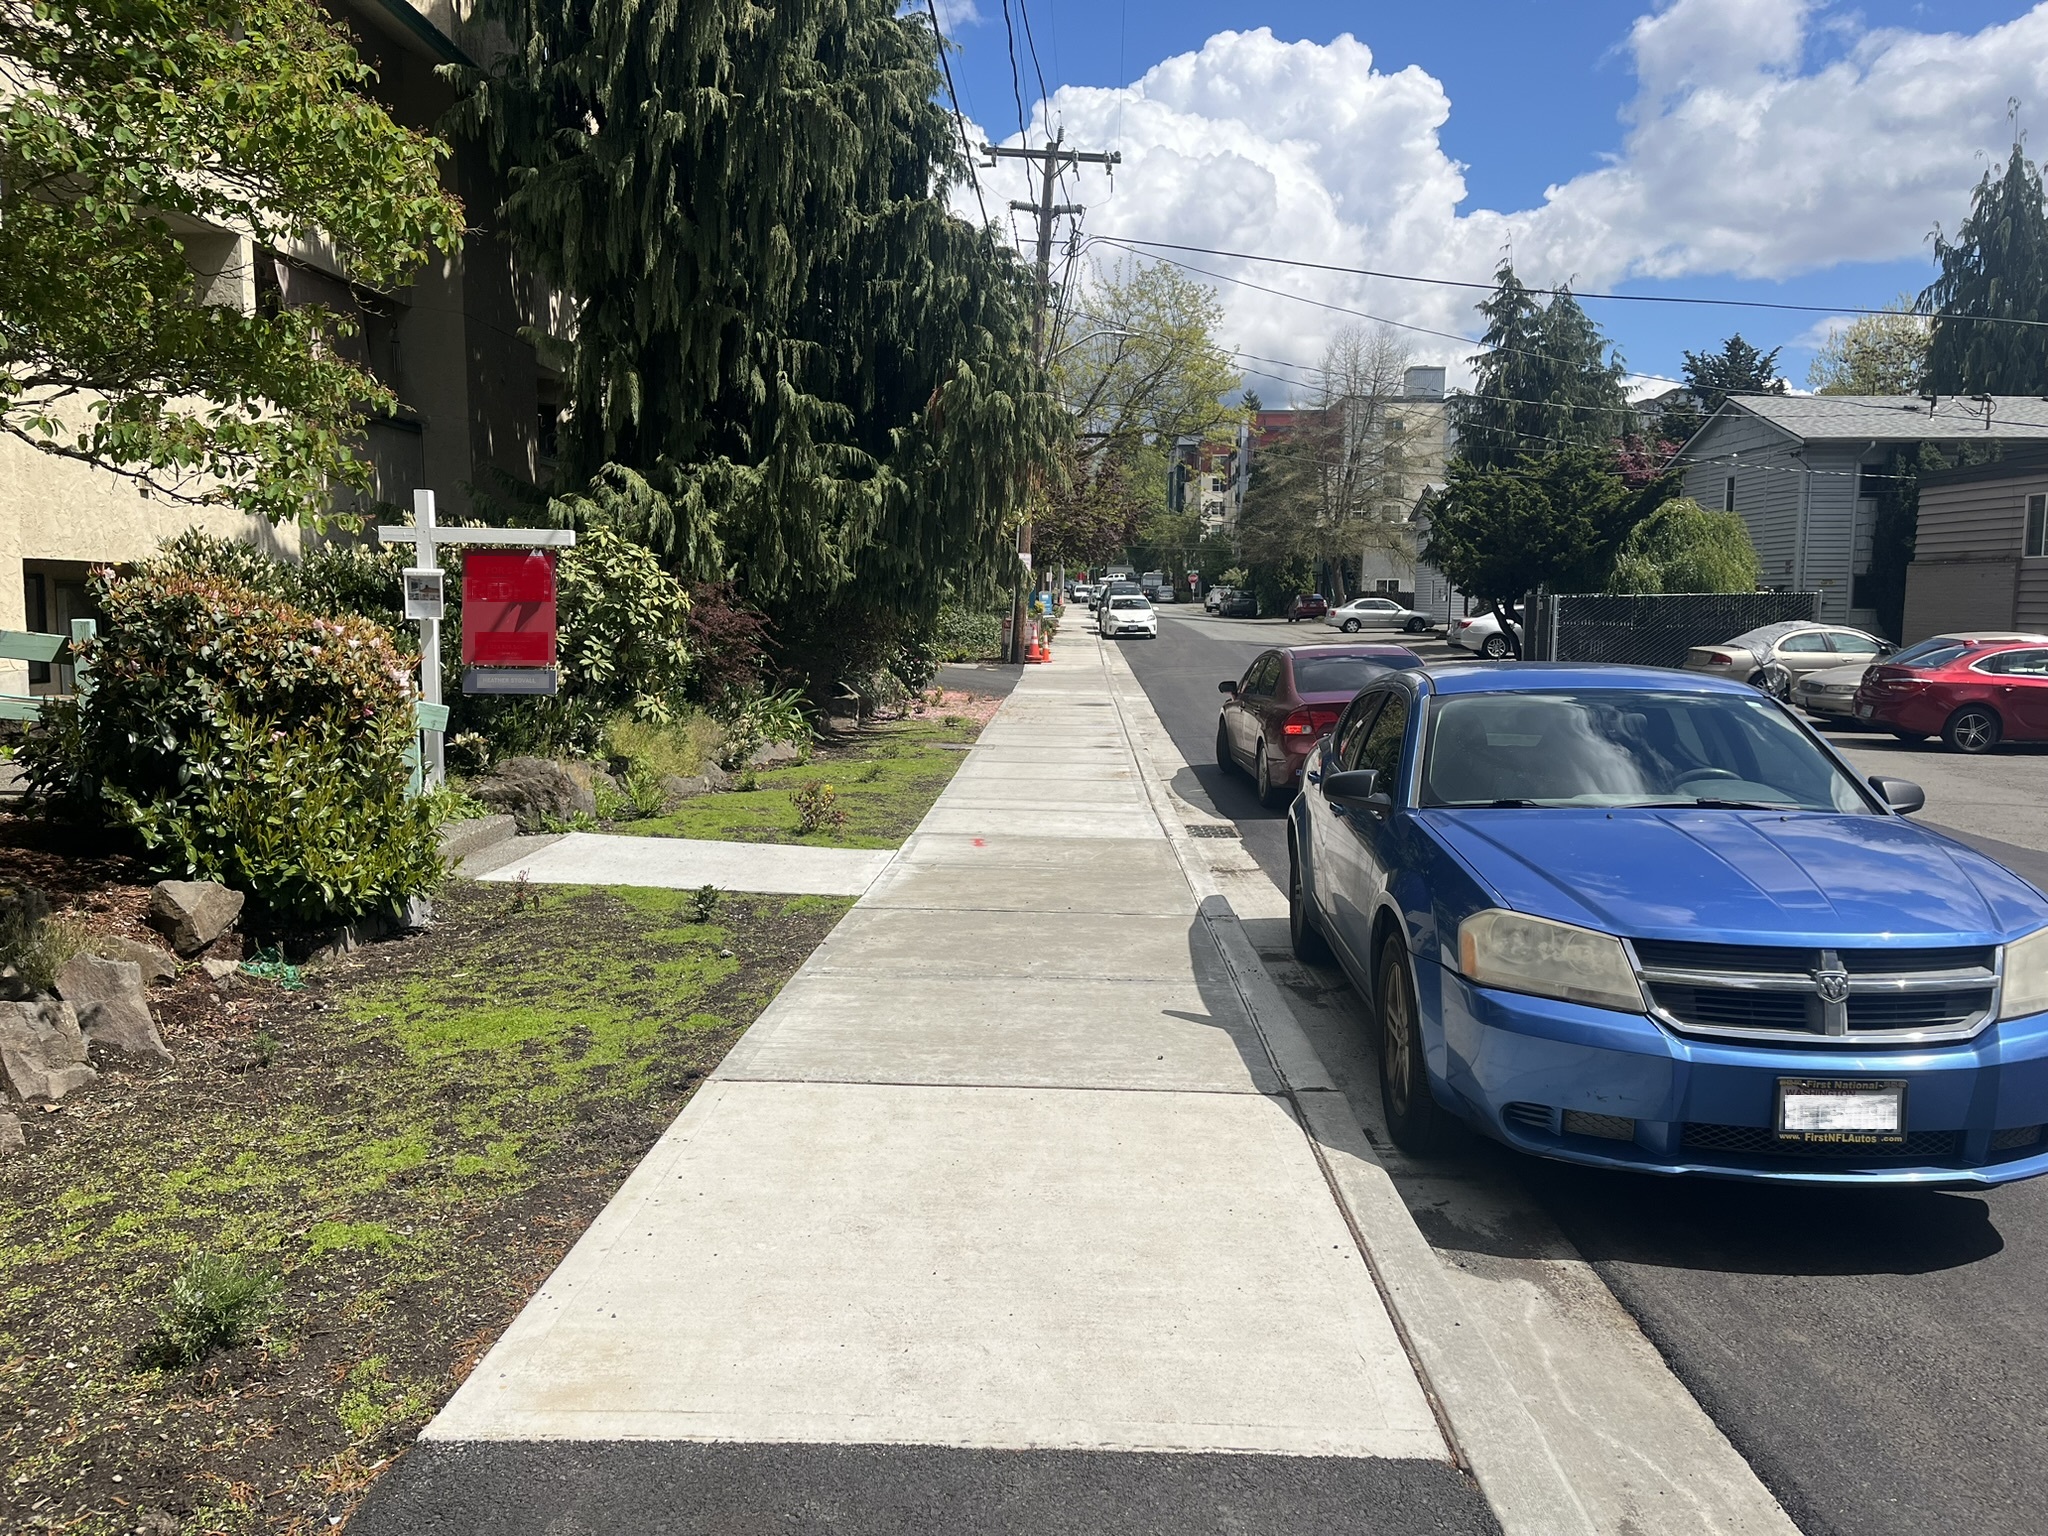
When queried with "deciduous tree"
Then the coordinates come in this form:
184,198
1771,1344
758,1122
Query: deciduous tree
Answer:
128,130
1874,355
1682,547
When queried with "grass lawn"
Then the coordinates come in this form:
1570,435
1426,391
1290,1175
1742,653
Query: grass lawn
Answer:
885,778
410,1142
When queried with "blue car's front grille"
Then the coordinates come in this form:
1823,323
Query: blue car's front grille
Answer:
1761,1141
1761,991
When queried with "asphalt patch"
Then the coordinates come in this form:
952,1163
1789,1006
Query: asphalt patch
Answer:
583,1488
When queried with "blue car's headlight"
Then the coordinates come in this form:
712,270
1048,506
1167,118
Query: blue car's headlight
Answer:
2026,977
1533,954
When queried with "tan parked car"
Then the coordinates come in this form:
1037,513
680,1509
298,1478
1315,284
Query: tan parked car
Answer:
1775,656
1830,694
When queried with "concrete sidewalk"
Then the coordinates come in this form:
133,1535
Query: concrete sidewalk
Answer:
684,863
1007,1170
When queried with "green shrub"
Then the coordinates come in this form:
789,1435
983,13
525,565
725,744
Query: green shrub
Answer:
624,627
817,808
704,903
241,739
216,1302
1683,547
758,719
32,941
966,634
644,794
680,746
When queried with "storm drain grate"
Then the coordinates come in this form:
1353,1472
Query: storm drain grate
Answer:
1210,830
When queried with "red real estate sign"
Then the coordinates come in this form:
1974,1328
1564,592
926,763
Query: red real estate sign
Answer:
508,608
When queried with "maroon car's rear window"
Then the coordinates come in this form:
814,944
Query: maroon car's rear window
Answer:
1927,661
1338,674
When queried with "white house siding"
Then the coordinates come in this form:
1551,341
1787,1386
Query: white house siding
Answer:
1827,566
1767,486
1970,569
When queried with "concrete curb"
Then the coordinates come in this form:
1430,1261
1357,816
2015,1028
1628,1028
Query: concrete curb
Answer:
1489,1429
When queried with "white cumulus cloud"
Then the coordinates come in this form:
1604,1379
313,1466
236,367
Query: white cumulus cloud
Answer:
1736,156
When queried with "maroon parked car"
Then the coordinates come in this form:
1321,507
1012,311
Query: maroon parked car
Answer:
1288,698
1972,695
1307,605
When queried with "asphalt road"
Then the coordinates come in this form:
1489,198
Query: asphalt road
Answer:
1878,1356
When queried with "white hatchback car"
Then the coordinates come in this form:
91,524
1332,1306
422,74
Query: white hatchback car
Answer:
1377,613
1126,615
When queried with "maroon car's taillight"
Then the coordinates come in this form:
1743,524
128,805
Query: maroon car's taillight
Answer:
1307,723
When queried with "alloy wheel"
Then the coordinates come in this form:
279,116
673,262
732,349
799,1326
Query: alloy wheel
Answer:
1973,730
1496,646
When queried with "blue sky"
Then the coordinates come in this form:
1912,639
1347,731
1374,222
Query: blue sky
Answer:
1730,148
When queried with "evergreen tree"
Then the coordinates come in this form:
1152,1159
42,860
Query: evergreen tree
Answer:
790,366
1737,369
1545,379
1995,269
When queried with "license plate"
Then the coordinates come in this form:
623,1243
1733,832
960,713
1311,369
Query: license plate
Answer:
1865,711
1851,1111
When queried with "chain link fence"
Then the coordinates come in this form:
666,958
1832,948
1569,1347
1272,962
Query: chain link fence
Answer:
1652,630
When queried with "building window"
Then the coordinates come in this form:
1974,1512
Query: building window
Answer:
2037,525
1387,587
1728,494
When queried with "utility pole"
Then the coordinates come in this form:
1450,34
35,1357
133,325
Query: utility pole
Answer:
1050,160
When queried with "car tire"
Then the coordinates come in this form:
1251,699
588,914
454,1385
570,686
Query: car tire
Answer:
1911,738
1415,1119
1416,626
1494,647
1974,729
1303,936
1349,626
1272,797
1224,758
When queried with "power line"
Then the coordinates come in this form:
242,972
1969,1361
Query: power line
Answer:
959,118
1016,80
1617,298
1044,96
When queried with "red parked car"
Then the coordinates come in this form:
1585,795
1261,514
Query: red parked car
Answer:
1972,695
1286,700
1307,605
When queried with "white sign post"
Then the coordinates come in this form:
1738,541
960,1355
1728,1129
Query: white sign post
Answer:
426,536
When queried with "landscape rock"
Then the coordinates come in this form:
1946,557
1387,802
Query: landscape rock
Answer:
717,777
112,1009
22,908
533,790
11,1139
675,789
42,1050
776,754
156,964
220,970
193,913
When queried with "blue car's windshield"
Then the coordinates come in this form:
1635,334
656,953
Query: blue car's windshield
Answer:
1610,747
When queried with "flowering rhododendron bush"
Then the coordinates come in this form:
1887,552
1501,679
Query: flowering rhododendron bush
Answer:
239,738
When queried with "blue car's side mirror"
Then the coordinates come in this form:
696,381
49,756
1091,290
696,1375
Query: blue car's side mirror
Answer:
1902,795
1356,789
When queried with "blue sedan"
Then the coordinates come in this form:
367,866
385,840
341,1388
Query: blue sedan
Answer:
1644,919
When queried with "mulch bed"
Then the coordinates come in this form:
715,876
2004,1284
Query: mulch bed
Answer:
411,1140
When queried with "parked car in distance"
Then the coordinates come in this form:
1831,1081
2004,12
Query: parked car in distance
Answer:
1377,613
1111,589
1287,698
1128,614
1162,593
1641,919
1775,656
1481,633
1307,605
1081,592
1213,598
1830,694
1238,605
1972,696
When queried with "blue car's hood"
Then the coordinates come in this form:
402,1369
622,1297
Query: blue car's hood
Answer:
1741,876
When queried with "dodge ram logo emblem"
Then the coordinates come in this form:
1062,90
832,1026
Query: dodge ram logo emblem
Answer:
1833,986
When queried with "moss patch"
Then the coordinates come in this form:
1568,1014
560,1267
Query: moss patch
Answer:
884,779
433,1123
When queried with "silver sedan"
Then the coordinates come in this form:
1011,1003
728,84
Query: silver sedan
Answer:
1377,613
